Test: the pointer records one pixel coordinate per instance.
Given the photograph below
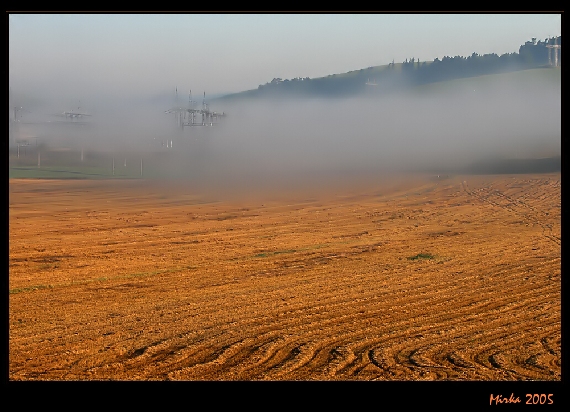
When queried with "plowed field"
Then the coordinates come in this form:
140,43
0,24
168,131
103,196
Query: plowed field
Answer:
417,278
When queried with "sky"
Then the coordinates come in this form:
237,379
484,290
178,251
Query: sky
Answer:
73,56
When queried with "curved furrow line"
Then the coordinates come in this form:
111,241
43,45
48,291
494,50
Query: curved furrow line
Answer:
156,354
331,320
458,361
340,358
386,360
359,362
369,352
470,322
419,357
360,366
267,359
456,366
271,323
548,342
514,364
138,360
175,355
277,326
218,364
212,326
403,358
269,354
278,354
189,357
291,358
510,358
404,362
544,364
492,360
329,353
197,350
305,348
378,356
355,356
534,364
294,354
383,358
302,356
331,357
259,356
426,331
499,360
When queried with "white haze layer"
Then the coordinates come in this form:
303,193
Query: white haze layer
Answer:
294,141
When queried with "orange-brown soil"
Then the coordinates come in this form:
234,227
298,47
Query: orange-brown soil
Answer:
423,278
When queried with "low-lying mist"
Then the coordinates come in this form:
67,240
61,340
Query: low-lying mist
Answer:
317,142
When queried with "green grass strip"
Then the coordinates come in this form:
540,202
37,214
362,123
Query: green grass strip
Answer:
421,256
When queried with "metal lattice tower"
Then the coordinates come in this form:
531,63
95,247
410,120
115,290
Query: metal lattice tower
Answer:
556,47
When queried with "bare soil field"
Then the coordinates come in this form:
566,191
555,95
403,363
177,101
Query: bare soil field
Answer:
417,278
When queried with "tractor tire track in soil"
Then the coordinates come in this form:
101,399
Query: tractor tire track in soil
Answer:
520,207
454,278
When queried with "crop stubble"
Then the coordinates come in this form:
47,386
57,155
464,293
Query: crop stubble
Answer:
429,278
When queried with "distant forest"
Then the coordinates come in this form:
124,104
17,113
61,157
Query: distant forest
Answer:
411,72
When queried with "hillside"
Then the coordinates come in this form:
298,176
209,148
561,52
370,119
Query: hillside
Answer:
410,74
